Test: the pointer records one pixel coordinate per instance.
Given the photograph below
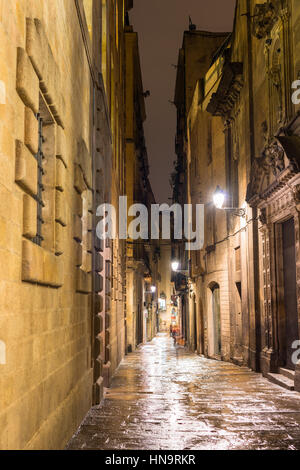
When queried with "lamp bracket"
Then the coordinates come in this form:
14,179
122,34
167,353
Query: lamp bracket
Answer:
238,212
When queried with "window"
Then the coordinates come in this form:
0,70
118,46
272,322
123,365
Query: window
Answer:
41,160
86,234
39,197
45,128
238,259
162,304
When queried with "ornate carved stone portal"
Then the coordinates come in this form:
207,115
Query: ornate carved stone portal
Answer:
278,163
274,189
264,18
274,157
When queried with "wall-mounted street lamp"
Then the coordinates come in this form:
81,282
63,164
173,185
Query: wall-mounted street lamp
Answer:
175,268
175,265
219,199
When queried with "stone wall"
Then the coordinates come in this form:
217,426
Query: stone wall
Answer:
45,313
206,163
253,147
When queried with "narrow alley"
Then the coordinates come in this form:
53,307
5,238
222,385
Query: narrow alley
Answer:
164,397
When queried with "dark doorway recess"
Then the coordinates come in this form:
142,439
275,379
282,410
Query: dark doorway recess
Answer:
216,318
290,289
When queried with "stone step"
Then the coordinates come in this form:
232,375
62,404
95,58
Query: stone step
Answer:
290,374
281,380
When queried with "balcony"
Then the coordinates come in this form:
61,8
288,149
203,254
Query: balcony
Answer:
223,83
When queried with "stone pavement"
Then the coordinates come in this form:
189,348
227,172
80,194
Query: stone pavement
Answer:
164,397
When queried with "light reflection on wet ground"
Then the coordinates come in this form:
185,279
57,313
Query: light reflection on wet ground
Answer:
164,397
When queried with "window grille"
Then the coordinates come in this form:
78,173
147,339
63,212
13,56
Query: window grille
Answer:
40,188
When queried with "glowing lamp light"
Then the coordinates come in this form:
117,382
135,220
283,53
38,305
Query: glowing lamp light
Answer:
219,198
175,266
153,289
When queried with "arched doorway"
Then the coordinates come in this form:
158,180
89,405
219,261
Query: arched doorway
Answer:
215,320
195,320
201,328
185,326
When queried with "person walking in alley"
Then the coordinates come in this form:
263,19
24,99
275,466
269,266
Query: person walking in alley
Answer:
174,333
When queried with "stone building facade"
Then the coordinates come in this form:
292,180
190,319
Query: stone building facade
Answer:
142,259
191,72
62,146
113,296
243,137
273,189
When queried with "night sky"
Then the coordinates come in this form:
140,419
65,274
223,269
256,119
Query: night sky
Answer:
160,24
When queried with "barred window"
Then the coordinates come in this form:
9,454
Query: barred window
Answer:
86,230
45,144
39,197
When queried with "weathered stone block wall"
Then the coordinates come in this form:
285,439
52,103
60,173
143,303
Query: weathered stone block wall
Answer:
115,66
207,171
46,383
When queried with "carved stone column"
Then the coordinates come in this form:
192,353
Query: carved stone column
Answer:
284,16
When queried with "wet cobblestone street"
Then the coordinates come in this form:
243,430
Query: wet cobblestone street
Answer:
164,397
